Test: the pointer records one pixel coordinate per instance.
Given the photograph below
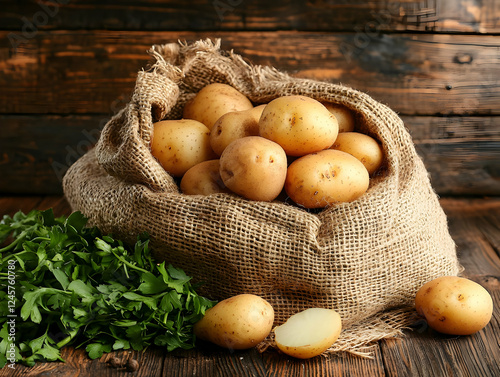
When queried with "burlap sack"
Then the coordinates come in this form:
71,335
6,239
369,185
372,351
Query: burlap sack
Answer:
365,259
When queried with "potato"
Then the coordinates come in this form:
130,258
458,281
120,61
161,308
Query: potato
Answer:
213,101
254,168
345,116
363,147
203,179
308,333
235,125
454,305
238,322
327,177
180,144
301,125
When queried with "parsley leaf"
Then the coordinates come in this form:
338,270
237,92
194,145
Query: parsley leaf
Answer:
65,283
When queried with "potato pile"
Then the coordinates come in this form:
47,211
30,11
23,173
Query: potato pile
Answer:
293,146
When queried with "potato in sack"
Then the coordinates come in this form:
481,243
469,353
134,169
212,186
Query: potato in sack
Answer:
254,168
213,101
300,124
325,178
180,144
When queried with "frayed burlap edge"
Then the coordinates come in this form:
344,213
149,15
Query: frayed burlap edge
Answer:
362,339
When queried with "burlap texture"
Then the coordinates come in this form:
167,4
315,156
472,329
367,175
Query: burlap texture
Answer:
365,259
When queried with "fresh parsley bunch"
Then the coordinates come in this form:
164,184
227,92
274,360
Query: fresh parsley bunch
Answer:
74,285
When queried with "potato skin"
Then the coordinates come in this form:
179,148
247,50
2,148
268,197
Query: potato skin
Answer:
203,179
254,168
363,147
238,322
301,125
454,305
213,101
345,117
180,144
234,125
324,178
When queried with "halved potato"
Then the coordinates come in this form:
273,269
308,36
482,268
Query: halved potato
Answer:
308,333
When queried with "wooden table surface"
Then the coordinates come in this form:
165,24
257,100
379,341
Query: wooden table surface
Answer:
474,225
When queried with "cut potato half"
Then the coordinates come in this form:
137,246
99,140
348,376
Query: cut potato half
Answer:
308,333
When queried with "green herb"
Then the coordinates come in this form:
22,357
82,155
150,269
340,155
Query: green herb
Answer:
64,283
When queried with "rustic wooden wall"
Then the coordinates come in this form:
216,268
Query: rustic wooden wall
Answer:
66,66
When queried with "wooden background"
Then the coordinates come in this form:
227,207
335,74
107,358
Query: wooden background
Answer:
67,66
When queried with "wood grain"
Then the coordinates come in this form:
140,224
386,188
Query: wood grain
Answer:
421,352
476,228
82,72
317,15
36,151
475,355
462,154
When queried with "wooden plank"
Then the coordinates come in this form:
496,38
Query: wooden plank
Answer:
36,151
475,355
77,363
317,15
209,360
82,72
202,361
10,205
333,365
89,72
428,353
475,226
462,154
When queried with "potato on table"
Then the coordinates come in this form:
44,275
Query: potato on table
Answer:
238,322
454,305
308,333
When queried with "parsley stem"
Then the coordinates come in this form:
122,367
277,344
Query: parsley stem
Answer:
13,244
13,256
127,263
72,334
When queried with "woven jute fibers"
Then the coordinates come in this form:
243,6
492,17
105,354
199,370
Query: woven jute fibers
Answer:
365,259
